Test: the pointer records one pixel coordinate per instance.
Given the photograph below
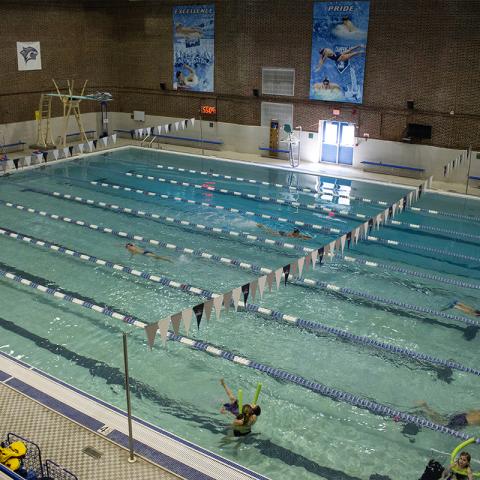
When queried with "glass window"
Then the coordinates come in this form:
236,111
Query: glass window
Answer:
348,136
331,133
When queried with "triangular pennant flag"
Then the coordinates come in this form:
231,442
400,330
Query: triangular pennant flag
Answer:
338,244
286,272
90,145
114,138
198,311
65,152
105,141
132,133
26,161
15,162
148,130
163,327
343,239
314,255
378,220
185,122
320,253
393,207
261,284
45,155
80,147
356,235
169,127
176,319
94,142
227,300
332,249
187,319
217,303
159,129
270,278
300,263
55,154
308,262
208,306
70,149
245,292
176,126
278,276
192,121
253,289
140,132
236,292
386,212
39,157
151,331
430,180
349,238
365,230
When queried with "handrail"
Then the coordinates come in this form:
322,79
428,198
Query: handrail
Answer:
144,140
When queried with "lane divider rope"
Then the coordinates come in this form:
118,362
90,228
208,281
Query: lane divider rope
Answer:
436,251
321,189
265,312
224,260
248,196
417,226
324,390
444,214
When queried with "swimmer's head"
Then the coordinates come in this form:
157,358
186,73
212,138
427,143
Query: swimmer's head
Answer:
179,74
345,19
128,245
296,231
326,81
257,410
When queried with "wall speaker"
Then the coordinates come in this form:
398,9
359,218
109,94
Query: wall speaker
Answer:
410,104
255,92
163,86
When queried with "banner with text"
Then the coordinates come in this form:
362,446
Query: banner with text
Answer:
339,43
193,47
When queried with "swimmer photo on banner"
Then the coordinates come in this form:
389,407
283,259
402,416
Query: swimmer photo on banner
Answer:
193,47
339,43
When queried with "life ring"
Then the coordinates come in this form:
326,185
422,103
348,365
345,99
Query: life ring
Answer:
453,456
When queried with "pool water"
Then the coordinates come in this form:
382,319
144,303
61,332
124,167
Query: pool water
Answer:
300,434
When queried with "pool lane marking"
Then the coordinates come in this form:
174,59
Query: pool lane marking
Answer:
276,185
248,196
316,387
257,269
249,307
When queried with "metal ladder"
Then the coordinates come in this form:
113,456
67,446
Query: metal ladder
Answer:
44,133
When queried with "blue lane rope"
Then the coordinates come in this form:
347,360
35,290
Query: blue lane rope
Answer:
321,189
413,246
405,271
185,223
444,214
238,263
417,226
248,196
249,307
319,388
257,269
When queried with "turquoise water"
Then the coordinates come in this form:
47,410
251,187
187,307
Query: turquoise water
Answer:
300,434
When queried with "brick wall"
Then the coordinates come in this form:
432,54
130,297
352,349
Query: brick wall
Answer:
424,50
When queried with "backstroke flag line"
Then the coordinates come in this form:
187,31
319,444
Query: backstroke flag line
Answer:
339,43
193,47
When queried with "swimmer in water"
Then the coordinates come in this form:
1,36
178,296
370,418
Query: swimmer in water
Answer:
295,233
134,250
326,85
184,31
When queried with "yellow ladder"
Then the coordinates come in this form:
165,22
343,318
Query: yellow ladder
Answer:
43,115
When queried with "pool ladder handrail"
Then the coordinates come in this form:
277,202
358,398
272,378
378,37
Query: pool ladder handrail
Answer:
150,142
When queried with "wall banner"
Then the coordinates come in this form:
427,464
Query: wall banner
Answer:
28,56
193,47
339,43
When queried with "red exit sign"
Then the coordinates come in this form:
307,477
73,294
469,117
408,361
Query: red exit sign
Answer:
208,110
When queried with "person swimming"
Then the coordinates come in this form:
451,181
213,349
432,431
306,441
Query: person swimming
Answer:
134,250
455,421
295,233
464,308
242,425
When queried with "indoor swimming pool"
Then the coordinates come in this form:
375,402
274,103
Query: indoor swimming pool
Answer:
217,225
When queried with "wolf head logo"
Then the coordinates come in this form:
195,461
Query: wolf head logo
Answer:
29,53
